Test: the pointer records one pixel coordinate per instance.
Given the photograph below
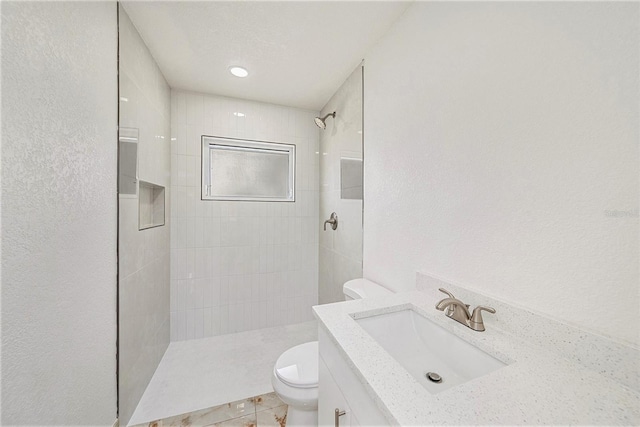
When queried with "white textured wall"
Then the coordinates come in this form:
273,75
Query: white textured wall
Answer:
145,104
59,118
240,265
340,252
500,137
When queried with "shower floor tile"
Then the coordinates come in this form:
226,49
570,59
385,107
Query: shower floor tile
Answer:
211,372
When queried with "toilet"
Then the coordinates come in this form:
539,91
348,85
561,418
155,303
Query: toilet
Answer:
295,374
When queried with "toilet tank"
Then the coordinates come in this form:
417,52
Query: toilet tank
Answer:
363,288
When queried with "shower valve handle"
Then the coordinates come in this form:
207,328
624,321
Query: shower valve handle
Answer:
333,220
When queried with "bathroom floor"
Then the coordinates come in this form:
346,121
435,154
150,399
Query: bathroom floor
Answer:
266,410
211,372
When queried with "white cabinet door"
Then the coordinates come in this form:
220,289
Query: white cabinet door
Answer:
330,398
337,380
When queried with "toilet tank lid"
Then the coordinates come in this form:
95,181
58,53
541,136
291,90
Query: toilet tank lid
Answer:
298,366
363,288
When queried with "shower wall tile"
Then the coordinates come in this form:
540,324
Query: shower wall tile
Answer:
144,257
239,265
340,252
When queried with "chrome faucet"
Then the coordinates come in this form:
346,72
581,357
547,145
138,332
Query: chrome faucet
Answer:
459,311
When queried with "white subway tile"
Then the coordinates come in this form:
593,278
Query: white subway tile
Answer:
224,319
179,195
198,227
215,321
173,296
216,207
190,293
234,284
192,200
182,290
241,265
254,313
263,288
214,297
181,328
208,115
195,109
216,262
207,322
190,265
192,168
173,319
203,293
194,140
224,290
198,323
191,326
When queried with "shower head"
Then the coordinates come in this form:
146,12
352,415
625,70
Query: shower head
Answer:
320,122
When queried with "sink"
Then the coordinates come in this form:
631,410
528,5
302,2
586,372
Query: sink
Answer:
423,347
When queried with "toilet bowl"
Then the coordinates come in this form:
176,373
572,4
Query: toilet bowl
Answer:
295,374
295,381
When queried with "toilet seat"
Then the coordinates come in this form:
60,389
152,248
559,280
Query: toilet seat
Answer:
295,375
298,366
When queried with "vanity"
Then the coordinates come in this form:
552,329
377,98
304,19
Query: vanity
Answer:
399,361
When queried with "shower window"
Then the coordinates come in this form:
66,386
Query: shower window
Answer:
240,169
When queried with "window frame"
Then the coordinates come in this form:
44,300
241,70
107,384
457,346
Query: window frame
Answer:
207,144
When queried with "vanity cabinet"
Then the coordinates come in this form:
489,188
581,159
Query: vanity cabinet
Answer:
330,398
339,388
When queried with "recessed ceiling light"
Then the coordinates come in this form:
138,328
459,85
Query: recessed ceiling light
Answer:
238,114
238,71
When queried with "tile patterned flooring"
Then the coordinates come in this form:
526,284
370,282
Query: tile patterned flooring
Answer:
266,410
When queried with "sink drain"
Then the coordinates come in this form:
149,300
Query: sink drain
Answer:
433,377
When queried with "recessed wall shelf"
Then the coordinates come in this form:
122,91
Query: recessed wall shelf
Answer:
150,205
351,178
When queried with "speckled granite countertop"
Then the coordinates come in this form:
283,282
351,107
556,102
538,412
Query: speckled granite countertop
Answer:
539,385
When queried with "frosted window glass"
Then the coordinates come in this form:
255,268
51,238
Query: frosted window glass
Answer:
247,170
247,173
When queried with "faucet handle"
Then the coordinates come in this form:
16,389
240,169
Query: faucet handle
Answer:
476,323
450,308
443,290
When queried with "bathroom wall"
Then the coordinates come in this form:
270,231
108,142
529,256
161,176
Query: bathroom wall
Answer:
237,266
59,154
502,155
340,253
145,104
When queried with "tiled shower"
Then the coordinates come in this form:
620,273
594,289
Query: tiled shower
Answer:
213,267
207,268
243,265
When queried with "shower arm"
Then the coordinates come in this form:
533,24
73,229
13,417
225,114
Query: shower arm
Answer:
329,114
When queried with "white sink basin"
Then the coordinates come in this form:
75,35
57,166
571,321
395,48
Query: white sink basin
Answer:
421,346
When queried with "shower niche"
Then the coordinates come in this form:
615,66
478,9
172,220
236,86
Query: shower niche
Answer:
150,206
351,178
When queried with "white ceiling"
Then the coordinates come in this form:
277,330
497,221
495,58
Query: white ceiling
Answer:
297,53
